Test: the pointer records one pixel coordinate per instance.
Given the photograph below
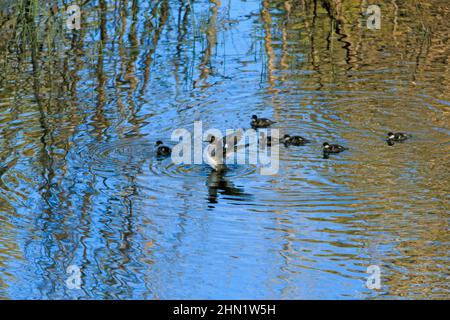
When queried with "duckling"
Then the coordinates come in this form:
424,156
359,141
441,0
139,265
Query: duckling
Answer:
162,151
260,122
397,137
294,140
332,148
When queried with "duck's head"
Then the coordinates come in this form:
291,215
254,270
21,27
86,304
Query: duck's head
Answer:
254,117
390,135
326,145
159,142
210,138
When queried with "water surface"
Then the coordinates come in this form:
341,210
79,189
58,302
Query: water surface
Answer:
80,184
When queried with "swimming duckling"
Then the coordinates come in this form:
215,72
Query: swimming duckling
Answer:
397,137
260,122
332,148
294,140
162,151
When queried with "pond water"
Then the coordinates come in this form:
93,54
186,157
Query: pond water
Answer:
80,185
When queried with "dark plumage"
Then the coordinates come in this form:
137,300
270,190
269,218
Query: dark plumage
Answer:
397,137
294,140
260,122
162,151
332,148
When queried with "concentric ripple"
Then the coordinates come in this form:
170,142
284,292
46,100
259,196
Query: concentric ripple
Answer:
109,157
131,153
166,167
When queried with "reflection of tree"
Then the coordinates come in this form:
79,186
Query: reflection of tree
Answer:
267,24
211,39
161,9
61,90
339,50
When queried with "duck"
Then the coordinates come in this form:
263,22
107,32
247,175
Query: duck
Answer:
397,136
294,140
332,148
161,150
260,122
218,150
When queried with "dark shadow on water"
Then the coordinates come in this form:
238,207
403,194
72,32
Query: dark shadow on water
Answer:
219,184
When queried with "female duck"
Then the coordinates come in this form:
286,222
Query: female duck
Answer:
161,150
260,122
220,149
